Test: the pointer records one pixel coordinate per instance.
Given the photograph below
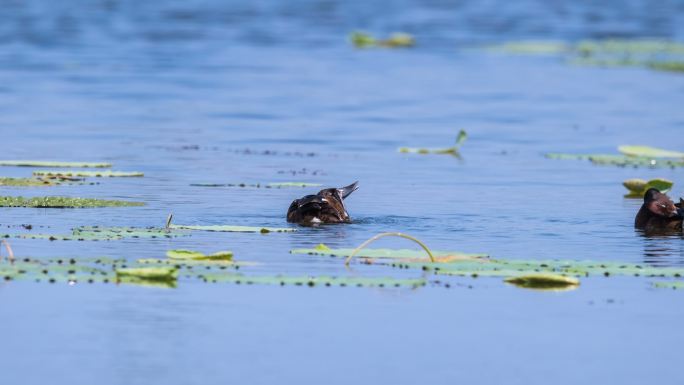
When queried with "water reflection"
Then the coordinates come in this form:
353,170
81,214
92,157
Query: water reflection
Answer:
662,248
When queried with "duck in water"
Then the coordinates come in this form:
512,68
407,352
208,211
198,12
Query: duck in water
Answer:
325,207
659,214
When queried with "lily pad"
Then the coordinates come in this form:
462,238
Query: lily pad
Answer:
234,229
63,202
396,40
671,66
674,285
314,281
96,233
25,182
543,281
89,174
462,136
649,152
619,160
406,254
259,185
197,256
35,163
149,273
638,187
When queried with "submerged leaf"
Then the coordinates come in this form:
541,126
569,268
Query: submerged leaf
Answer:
62,202
234,229
89,174
649,152
33,163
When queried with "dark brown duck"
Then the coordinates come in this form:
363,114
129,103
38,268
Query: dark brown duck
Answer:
325,207
659,213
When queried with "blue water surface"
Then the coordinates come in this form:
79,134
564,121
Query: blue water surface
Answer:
271,91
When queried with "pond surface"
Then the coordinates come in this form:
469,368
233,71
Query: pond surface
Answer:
240,92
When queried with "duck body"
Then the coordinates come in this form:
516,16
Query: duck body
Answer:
325,207
659,214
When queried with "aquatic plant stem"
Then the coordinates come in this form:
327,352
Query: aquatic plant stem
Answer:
10,254
382,235
168,221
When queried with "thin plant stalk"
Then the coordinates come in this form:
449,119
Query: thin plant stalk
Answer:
382,235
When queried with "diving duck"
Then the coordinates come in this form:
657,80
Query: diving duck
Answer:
325,207
659,213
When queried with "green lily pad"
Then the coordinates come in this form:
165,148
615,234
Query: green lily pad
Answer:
407,254
96,233
234,229
670,66
314,281
34,163
674,285
149,273
649,152
543,281
462,136
619,160
63,202
396,40
89,174
638,187
259,185
195,255
25,182
532,48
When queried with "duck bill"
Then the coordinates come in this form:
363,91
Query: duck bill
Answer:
347,190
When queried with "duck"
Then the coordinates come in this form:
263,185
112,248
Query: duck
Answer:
326,207
659,213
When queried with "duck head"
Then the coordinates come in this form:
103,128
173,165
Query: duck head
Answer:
660,204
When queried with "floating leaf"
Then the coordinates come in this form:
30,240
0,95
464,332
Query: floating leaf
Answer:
543,281
396,40
619,160
149,273
674,285
25,182
649,152
89,174
362,40
671,66
234,229
33,163
195,255
462,136
62,202
407,254
532,48
638,187
259,185
96,233
314,281
659,55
